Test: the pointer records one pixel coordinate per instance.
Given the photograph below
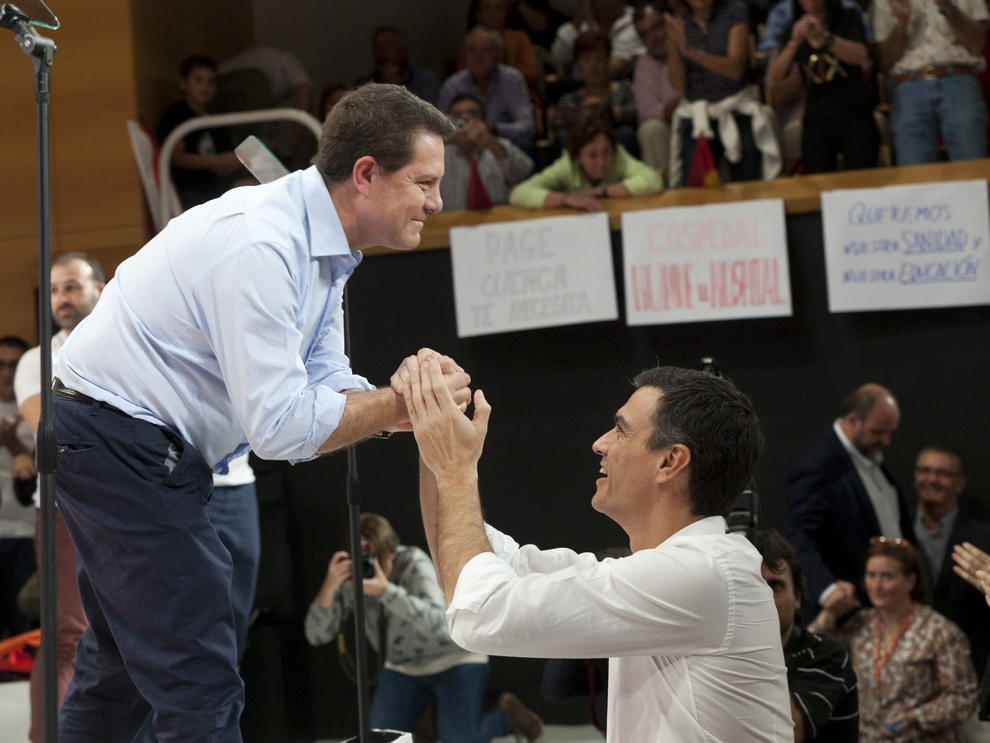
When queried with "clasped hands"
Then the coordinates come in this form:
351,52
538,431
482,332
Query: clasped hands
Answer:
436,393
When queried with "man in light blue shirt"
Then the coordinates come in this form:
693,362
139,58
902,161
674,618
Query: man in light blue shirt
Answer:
224,333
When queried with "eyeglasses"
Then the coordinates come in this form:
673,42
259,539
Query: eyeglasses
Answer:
937,471
894,541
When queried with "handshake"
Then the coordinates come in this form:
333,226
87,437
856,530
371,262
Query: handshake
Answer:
436,393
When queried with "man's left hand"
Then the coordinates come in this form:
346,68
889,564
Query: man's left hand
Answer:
448,440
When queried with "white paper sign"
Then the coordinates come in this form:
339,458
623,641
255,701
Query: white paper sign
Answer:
718,262
921,245
535,273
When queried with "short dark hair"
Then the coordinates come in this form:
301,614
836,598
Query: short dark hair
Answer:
195,62
14,341
591,41
903,553
76,255
380,120
775,549
587,127
716,422
952,451
469,97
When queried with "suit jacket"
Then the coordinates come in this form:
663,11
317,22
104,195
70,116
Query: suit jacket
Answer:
956,599
830,519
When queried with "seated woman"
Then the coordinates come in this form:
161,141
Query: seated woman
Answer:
916,678
422,664
826,54
599,95
593,168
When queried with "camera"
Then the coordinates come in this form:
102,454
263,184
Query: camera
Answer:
367,561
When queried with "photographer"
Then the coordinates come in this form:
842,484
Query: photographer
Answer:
479,167
405,612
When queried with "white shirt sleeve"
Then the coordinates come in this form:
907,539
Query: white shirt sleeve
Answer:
558,604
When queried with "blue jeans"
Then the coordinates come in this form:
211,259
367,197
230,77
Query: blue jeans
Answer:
951,107
233,511
400,700
154,580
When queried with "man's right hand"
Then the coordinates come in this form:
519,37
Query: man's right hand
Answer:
457,380
338,571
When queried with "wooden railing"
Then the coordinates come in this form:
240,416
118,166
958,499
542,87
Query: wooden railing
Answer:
801,194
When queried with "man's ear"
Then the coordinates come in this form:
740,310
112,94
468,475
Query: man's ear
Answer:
674,461
364,171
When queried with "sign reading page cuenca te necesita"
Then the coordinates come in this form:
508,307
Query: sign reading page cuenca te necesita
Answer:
898,247
719,262
535,273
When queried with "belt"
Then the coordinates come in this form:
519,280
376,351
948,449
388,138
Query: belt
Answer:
930,73
60,390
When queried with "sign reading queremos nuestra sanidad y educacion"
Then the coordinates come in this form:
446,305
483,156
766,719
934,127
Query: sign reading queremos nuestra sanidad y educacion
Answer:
897,247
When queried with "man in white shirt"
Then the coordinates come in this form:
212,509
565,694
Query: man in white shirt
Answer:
839,495
687,620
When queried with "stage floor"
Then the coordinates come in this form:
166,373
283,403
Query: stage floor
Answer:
14,707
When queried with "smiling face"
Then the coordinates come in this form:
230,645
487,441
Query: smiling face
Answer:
887,585
628,465
399,202
595,158
74,292
938,480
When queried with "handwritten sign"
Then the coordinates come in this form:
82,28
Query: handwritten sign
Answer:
536,273
921,245
699,263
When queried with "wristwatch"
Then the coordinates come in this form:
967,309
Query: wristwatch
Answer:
829,40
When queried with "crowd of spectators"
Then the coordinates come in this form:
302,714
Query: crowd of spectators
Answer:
701,91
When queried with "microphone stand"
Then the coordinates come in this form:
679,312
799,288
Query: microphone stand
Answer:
42,53
357,574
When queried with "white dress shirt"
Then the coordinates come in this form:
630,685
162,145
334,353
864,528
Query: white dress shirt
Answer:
690,627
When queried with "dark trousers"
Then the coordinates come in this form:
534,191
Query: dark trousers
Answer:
856,137
154,580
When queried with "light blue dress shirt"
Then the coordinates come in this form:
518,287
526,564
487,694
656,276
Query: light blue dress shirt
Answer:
227,327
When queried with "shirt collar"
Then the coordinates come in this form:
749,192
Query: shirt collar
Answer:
328,236
857,456
945,523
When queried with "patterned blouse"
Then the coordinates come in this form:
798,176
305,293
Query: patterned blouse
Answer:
929,671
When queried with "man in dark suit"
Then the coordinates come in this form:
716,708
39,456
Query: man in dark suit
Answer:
839,495
939,525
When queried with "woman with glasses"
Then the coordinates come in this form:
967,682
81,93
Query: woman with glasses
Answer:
916,678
